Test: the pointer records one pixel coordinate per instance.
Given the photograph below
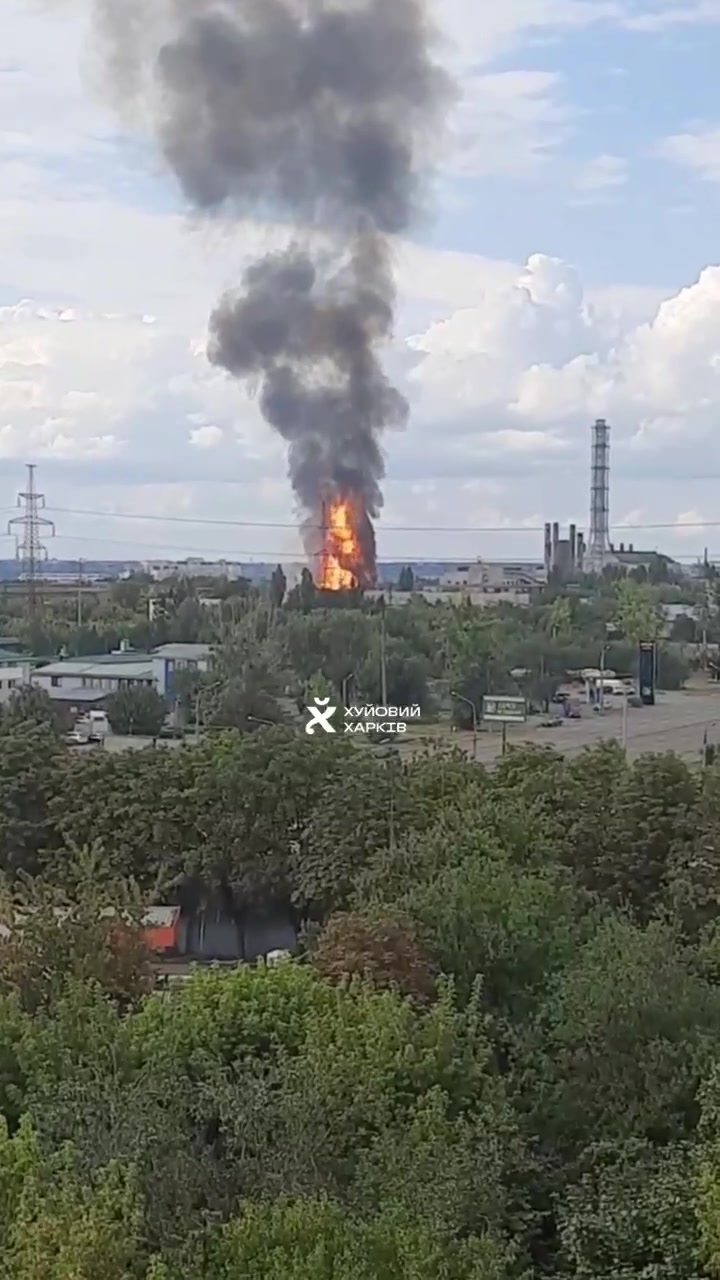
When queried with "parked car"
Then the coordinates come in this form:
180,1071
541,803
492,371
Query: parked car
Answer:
76,738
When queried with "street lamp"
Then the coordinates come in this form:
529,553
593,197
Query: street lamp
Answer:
270,724
473,708
610,629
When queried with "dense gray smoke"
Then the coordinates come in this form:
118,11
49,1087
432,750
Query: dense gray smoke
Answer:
316,111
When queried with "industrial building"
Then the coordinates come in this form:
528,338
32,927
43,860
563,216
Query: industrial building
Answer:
564,557
162,570
79,685
490,576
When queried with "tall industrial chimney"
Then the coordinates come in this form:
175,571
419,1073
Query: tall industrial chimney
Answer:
548,551
599,543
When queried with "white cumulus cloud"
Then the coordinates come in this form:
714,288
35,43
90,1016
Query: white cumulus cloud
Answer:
207,437
698,150
537,356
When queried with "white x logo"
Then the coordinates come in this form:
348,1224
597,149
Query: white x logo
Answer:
320,717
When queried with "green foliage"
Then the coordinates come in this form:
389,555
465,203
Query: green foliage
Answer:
53,1227
30,705
512,926
622,1040
631,1213
278,586
497,1055
31,771
136,710
317,1240
636,612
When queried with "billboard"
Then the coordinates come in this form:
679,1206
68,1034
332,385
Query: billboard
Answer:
646,672
504,710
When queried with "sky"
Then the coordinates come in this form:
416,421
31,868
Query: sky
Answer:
567,267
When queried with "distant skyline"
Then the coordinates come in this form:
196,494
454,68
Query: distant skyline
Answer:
567,269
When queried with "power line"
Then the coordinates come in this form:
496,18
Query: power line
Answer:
278,555
394,528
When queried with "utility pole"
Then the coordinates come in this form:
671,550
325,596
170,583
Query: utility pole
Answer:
29,549
79,595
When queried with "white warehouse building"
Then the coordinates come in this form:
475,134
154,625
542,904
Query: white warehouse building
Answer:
95,677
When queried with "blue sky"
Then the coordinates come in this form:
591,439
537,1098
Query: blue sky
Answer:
564,271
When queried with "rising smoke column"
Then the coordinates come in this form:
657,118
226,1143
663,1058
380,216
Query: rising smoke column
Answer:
316,111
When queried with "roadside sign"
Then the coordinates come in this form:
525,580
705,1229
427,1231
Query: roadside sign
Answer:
504,710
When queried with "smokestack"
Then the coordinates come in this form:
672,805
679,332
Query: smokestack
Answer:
573,545
316,114
548,550
599,545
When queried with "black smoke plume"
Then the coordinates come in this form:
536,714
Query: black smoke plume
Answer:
317,111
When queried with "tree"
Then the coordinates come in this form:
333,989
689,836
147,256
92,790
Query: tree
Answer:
473,646
708,1172
319,1240
560,618
305,595
636,613
631,1213
55,1226
127,595
684,629
90,931
510,926
278,586
244,704
30,705
406,580
622,1041
33,765
136,711
377,947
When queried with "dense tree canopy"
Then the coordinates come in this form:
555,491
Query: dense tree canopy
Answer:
496,1054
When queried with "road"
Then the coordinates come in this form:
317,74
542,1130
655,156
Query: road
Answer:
677,723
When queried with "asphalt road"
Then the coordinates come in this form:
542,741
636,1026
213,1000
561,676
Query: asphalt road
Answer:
677,723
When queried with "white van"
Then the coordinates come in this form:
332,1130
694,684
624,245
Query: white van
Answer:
617,688
94,724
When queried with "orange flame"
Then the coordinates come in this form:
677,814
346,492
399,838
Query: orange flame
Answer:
341,558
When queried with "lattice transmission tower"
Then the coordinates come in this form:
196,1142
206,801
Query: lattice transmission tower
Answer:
28,529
